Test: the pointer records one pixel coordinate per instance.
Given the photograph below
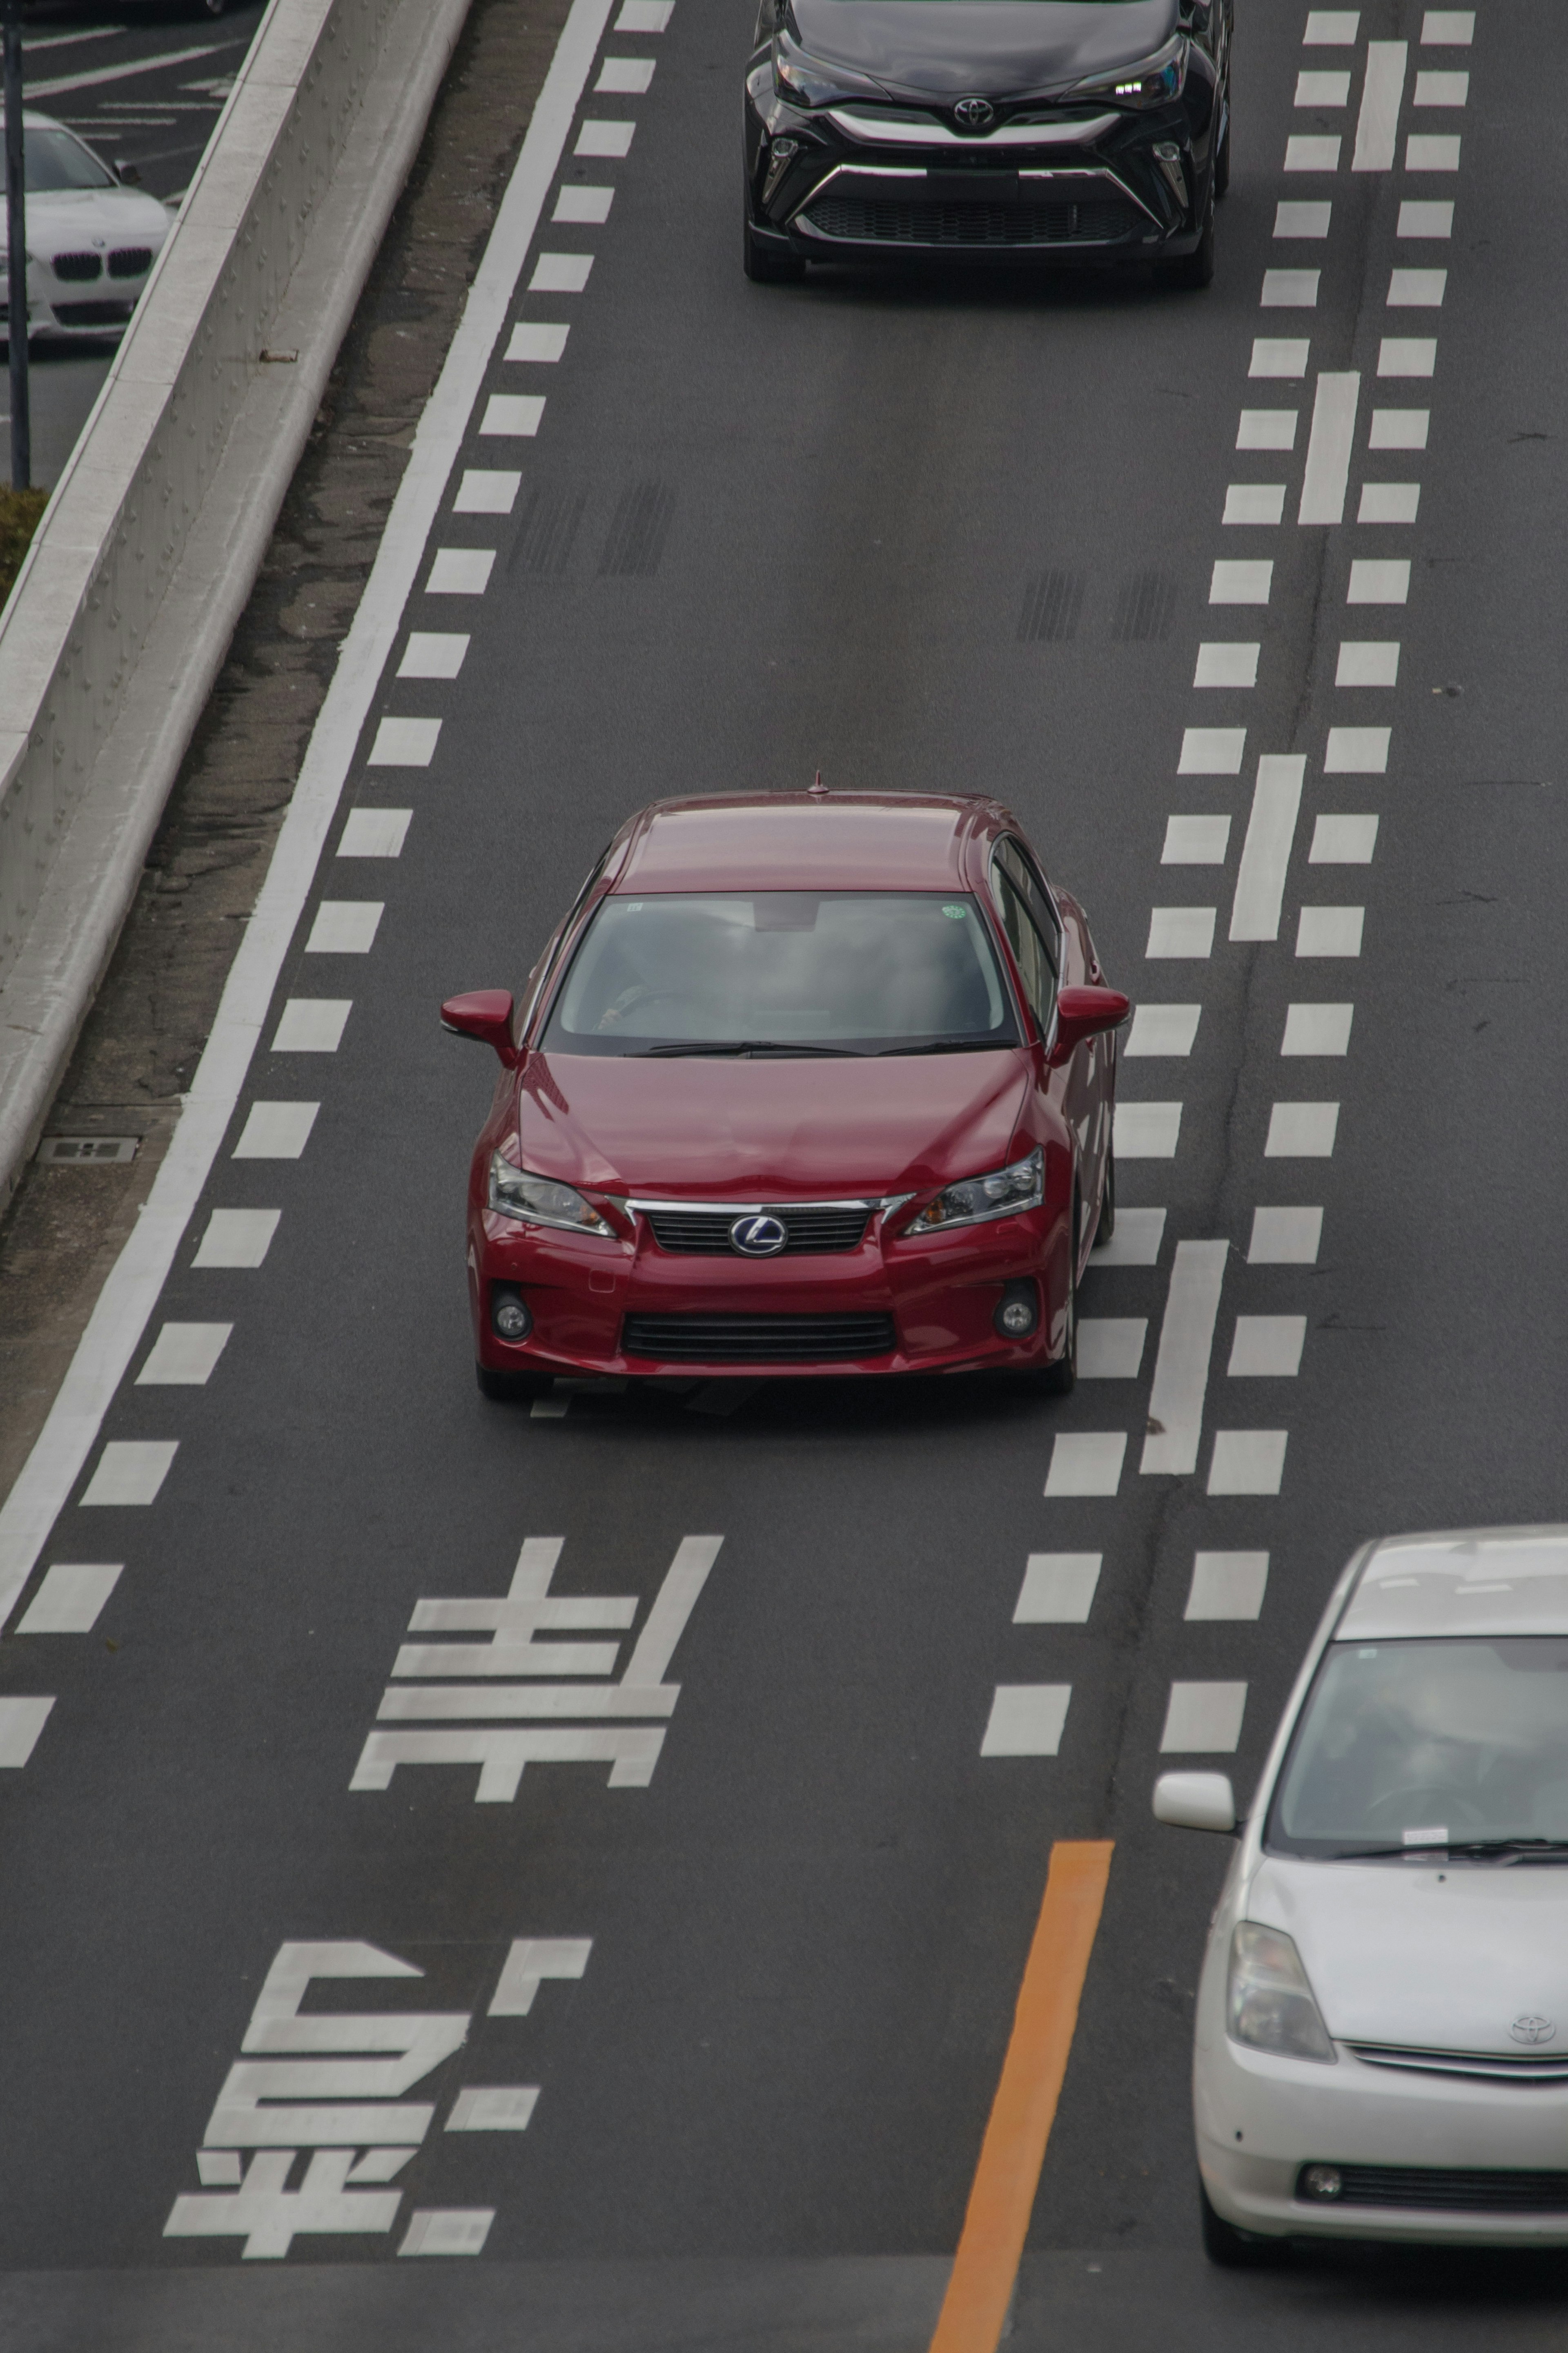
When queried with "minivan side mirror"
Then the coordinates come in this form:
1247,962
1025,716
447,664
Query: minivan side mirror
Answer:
484,1014
1195,1802
1083,1013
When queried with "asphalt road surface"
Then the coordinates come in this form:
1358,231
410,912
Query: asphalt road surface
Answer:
760,1956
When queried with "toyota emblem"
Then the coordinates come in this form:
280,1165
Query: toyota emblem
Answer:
758,1237
974,113
1531,2029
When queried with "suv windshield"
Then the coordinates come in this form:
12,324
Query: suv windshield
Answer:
1408,1744
54,160
794,971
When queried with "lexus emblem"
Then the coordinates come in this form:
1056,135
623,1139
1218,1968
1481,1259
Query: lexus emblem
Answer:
758,1237
1531,2029
974,113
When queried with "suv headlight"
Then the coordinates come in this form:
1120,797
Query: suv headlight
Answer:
1268,2002
1150,81
1017,1187
541,1200
815,81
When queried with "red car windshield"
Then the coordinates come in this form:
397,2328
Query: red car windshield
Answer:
794,972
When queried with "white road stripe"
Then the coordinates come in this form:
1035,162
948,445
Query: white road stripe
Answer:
1248,1461
644,15
1332,28
1399,428
1111,1348
1266,428
1377,125
344,927
1407,355
312,1025
1343,841
1421,218
237,1238
462,571
1212,751
1285,1237
1322,88
132,1471
1246,583
1146,1131
375,833
1311,219
1202,1719
1291,290
1136,1242
31,45
404,743
1317,1030
71,1598
1357,751
624,78
433,653
486,490
609,139
1267,1348
1227,665
1368,662
1184,932
539,344
1379,580
21,1721
35,90
1330,931
183,1355
1195,841
1389,503
1425,153
1027,1720
1227,1585
1266,853
561,273
1182,1366
1416,290
1086,1462
1307,152
1447,29
1329,448
493,2108
1282,356
274,1131
1058,1589
512,416
1301,1131
1163,1030
1254,502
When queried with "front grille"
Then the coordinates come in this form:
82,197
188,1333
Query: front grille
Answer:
1499,2067
884,220
77,269
758,1339
93,314
813,1231
130,260
1452,2189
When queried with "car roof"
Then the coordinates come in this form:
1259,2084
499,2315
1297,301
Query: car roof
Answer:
806,841
1466,1581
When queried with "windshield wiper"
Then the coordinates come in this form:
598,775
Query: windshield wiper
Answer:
1527,1849
947,1046
743,1046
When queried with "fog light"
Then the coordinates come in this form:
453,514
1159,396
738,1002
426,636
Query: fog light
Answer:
1322,2181
509,1313
1019,1312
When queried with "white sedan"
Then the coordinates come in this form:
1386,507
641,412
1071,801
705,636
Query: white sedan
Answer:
1381,2048
92,240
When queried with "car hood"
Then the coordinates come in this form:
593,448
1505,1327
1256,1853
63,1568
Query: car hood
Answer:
65,219
948,49
704,1128
1435,1960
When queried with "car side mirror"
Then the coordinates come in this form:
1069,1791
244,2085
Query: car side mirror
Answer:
485,1014
1195,1802
1084,1013
128,175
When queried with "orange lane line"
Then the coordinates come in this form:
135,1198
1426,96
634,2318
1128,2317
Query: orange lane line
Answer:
980,2289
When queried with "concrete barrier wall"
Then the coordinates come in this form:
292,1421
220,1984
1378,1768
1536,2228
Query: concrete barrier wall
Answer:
124,611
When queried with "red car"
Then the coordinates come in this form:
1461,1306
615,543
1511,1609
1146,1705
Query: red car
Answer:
803,1083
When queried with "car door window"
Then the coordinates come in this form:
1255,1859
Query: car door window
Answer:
1030,950
1016,862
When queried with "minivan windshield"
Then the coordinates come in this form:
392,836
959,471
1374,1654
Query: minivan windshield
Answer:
791,972
1407,1746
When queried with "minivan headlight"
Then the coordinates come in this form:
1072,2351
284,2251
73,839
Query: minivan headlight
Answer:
1268,2002
541,1200
1017,1187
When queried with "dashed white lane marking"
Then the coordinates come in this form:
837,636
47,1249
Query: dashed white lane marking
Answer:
1342,842
537,342
1332,28
1212,751
1314,1030
1086,1462
1058,1589
1379,580
1285,1237
533,1960
1428,151
1291,290
312,1025
1195,841
460,571
1389,503
1202,1719
610,139
1357,751
404,743
1266,852
624,78
276,1131
375,833
512,416
1136,1242
1111,1348
1327,469
486,490
643,16
132,1471
1027,1720
1267,1348
21,1721
58,83
561,273
1377,125
1330,931
1301,1131
1248,1461
1399,428
1407,355
344,927
1147,1131
236,1238
1254,502
1419,218
183,1355
1163,1030
1266,428
433,653
1243,583
1226,665
1308,220
493,2108
1447,29
1416,290
1186,932
1368,662
1442,89
1182,1366
1306,151
444,2230
1227,1585
1284,356
71,1598
1322,88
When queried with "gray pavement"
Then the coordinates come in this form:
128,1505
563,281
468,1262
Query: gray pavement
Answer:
770,2074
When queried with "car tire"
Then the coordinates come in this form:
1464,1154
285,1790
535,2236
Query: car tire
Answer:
1194,271
1106,1226
1230,2249
1060,1379
764,267
1222,158
510,1388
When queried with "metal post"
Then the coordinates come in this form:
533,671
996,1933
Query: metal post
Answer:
16,253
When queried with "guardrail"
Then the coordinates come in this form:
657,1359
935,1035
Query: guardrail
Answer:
124,608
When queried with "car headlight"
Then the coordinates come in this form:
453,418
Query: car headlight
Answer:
541,1200
1017,1187
815,81
1268,2002
1151,81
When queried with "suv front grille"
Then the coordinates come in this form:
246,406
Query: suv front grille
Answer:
758,1339
77,269
816,1229
130,260
884,220
1442,2189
